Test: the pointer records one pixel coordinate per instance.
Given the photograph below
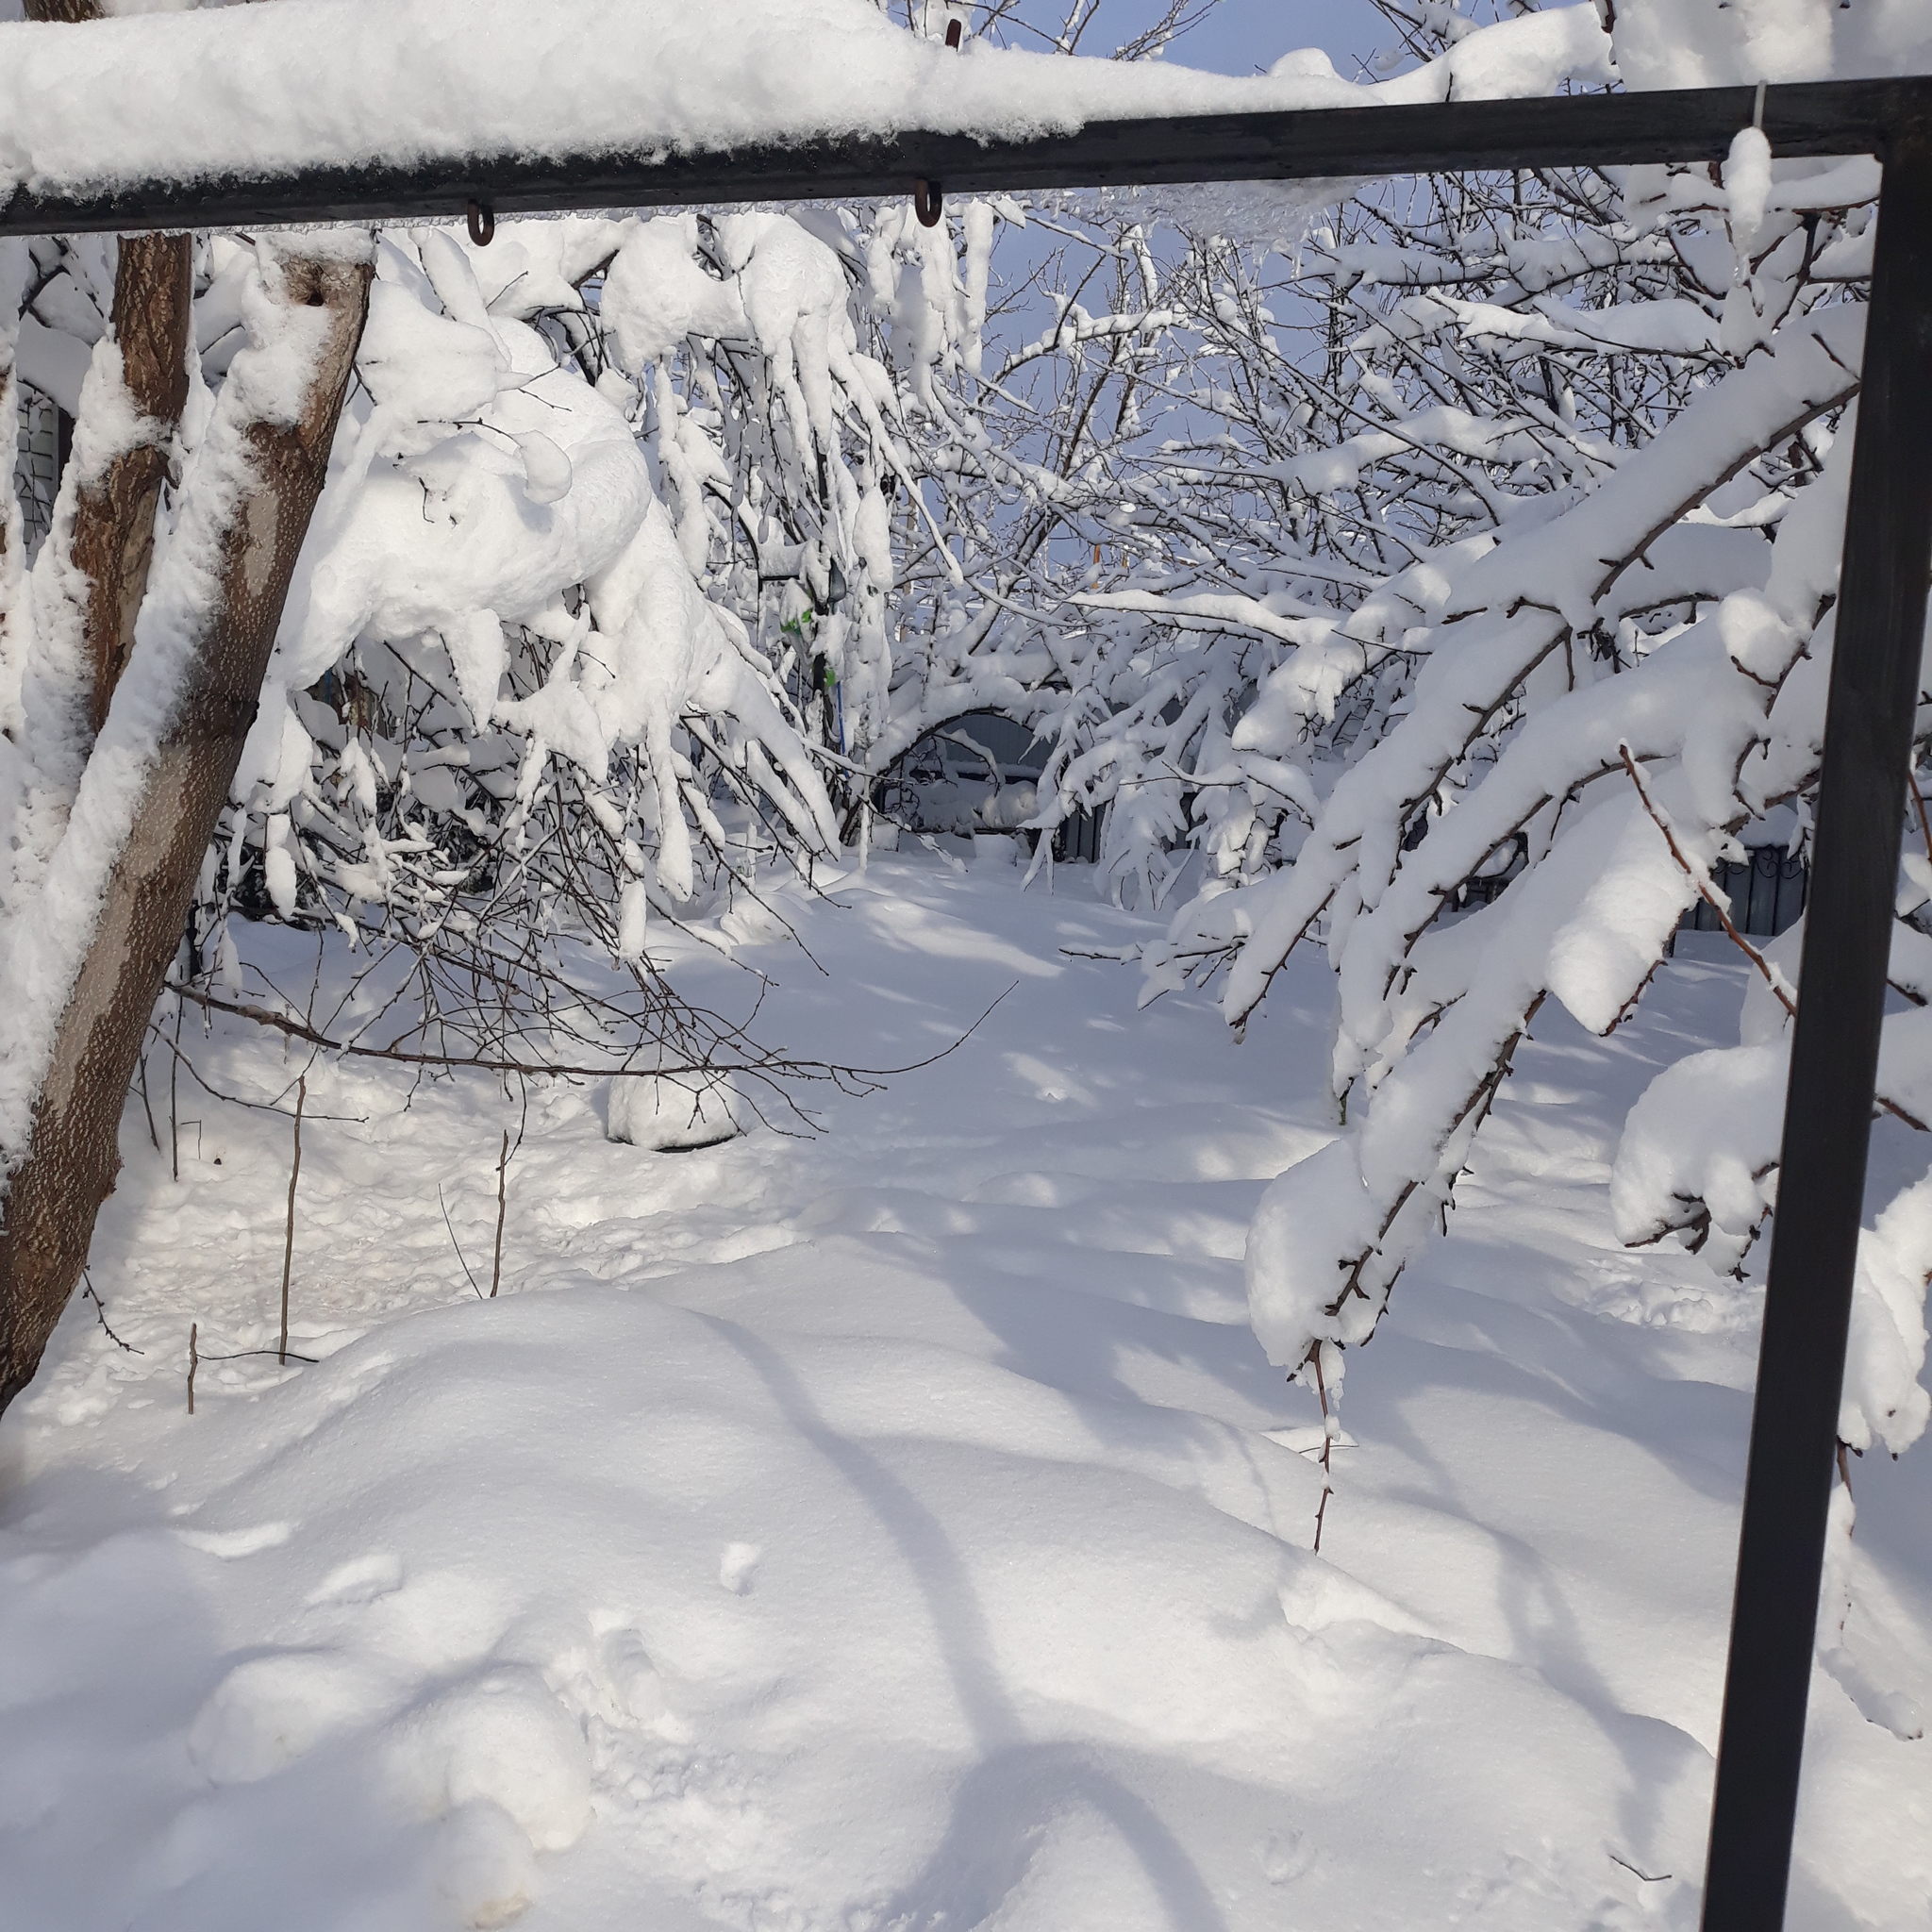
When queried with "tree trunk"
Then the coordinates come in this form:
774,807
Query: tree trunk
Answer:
13,264
114,512
228,627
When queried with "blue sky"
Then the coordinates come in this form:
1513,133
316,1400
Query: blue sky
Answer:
1242,35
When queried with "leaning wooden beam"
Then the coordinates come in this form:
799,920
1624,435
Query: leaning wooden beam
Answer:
1603,130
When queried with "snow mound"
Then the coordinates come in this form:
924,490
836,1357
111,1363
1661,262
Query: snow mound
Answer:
673,1112
502,1739
902,1527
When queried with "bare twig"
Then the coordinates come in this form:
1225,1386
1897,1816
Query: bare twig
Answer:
288,1244
775,1065
496,1259
1648,1878
193,1362
221,1093
146,1109
1706,890
454,1242
1327,1445
175,1117
101,1316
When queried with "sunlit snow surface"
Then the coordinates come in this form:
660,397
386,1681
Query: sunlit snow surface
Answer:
902,1528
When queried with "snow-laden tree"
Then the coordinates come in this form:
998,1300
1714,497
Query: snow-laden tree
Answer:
1525,561
591,611
498,639
595,610
114,761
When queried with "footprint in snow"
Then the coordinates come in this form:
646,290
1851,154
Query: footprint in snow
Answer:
231,1543
739,1567
639,1686
360,1581
1284,1855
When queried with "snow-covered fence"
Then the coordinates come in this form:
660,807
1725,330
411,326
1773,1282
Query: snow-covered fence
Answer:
1766,888
983,773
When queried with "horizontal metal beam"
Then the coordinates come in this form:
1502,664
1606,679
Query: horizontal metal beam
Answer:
1599,130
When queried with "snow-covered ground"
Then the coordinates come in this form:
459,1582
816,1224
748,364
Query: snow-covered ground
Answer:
902,1527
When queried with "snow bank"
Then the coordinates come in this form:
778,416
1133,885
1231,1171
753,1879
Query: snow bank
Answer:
320,83
900,1528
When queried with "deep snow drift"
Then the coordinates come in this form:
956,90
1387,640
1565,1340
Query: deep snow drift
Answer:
903,1527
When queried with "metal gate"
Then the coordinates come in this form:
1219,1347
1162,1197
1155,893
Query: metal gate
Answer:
1871,709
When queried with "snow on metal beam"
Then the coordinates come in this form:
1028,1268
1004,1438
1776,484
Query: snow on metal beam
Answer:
1342,143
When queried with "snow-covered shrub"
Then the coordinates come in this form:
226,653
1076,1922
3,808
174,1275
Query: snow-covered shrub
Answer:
1538,554
497,640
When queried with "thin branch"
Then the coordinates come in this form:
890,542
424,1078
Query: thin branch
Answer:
1700,879
1327,1445
496,1259
773,1066
101,1315
1648,1878
453,1240
288,1244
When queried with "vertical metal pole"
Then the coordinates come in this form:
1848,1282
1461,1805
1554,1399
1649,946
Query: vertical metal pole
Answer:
1875,682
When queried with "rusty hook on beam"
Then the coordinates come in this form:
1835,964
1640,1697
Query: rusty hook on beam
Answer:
482,224
928,197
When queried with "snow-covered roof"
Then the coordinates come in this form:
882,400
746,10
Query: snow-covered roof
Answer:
321,84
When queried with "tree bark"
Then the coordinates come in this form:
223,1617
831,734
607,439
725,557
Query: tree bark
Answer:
71,1156
114,512
12,279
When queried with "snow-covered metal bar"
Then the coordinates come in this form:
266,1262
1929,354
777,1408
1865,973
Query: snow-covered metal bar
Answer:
1866,768
1348,143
